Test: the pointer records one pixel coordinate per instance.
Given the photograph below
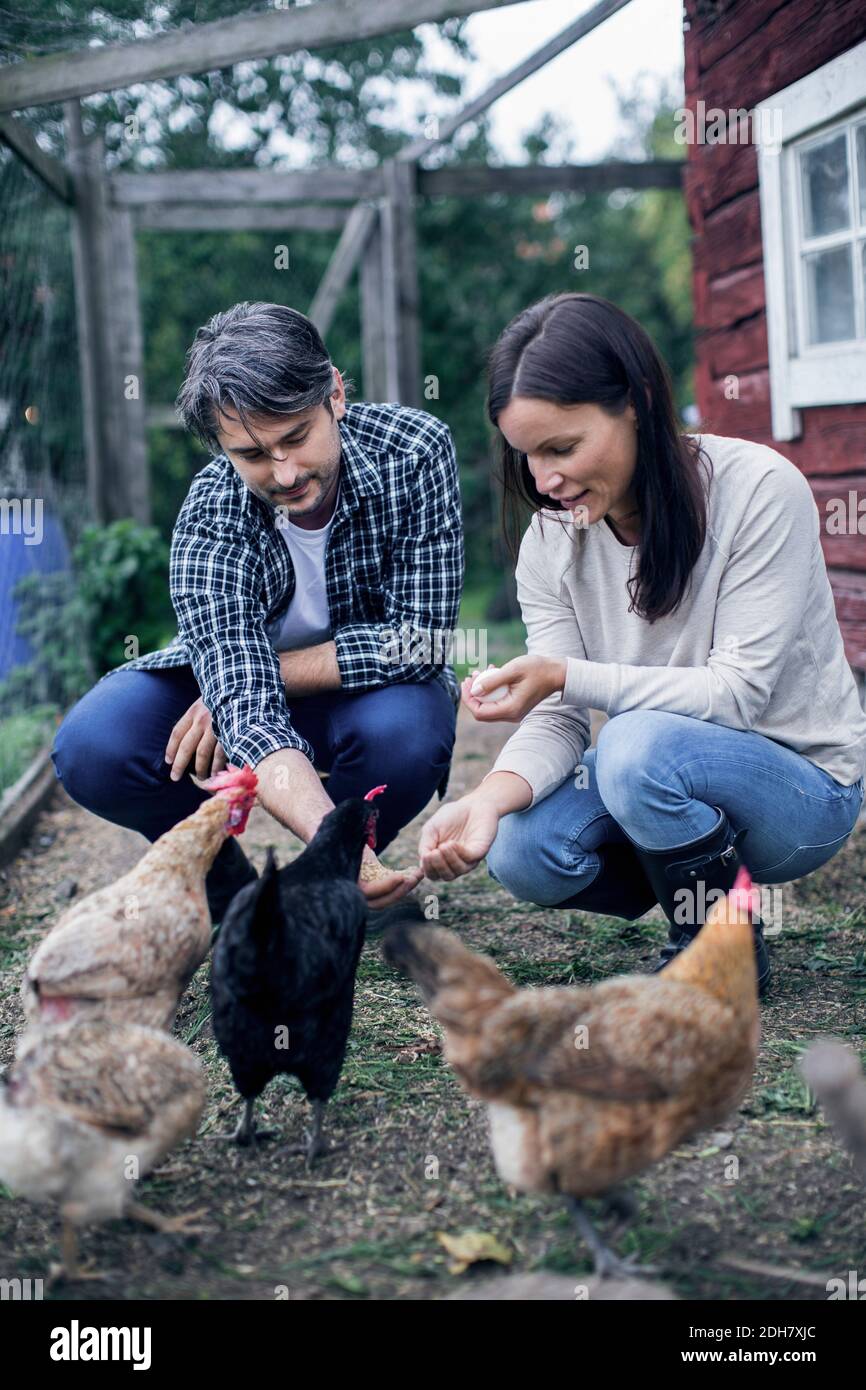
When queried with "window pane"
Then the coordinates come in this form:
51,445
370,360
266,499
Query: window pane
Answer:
824,171
860,137
830,296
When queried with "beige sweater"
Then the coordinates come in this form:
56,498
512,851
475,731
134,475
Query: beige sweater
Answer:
755,643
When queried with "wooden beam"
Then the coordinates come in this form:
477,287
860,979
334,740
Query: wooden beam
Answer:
476,180
267,190
558,44
256,217
49,170
359,225
327,185
219,44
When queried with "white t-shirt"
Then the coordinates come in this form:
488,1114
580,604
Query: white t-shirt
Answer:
307,620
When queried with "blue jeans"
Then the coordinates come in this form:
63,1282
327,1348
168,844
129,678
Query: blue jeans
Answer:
656,778
109,752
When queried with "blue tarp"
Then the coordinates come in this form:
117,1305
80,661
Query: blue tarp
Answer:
17,559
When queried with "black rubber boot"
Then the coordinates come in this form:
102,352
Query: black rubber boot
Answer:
715,859
620,888
230,871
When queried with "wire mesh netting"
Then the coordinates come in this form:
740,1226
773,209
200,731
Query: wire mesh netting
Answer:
41,433
43,493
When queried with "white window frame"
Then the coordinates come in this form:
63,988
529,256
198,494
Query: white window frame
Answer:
803,375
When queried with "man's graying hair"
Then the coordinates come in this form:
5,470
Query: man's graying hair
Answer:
255,359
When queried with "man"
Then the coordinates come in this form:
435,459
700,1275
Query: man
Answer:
316,572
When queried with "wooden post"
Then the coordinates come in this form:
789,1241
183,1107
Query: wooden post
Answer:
340,268
109,337
379,383
126,380
400,275
89,318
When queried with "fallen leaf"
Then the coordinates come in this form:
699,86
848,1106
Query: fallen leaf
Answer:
471,1247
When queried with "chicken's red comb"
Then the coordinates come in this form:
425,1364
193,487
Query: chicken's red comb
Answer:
241,779
376,791
743,894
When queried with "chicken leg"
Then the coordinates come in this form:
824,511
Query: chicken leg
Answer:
167,1225
245,1132
69,1271
315,1143
606,1263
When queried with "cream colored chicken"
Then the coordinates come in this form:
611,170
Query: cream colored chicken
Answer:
587,1087
85,1111
128,951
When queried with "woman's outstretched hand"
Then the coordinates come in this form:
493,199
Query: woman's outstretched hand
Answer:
528,679
457,837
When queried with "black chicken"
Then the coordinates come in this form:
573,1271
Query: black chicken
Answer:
283,976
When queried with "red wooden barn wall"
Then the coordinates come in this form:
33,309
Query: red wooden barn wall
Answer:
738,53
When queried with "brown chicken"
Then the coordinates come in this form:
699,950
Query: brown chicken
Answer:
587,1087
128,951
88,1108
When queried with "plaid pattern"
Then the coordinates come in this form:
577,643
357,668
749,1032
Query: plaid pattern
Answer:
393,567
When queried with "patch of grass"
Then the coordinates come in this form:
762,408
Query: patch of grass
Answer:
22,736
17,939
789,1095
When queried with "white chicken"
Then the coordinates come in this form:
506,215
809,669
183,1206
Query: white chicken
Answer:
87,1109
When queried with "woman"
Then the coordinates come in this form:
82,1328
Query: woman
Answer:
678,584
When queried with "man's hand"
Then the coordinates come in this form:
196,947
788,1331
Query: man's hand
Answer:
290,790
383,887
193,736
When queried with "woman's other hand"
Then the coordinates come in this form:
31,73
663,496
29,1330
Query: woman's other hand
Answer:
529,680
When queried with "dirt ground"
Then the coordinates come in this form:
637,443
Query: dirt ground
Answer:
412,1160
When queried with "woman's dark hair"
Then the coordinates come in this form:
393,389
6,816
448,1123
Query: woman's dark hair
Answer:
257,359
576,348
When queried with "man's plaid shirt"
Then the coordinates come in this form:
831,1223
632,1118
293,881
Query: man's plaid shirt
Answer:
393,566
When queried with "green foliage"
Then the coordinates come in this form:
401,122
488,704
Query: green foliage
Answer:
121,572
21,738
